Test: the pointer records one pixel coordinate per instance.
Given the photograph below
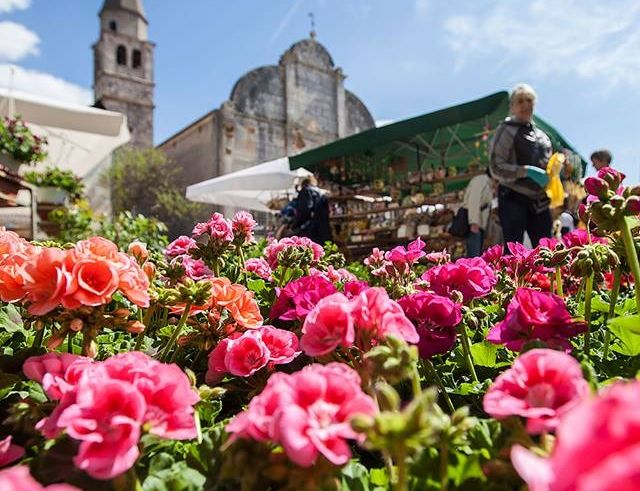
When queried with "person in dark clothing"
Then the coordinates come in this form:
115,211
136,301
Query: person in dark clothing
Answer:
312,217
519,153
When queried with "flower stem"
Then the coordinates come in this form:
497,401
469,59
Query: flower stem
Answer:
127,481
632,258
428,367
559,282
176,332
37,339
401,466
146,321
613,299
466,347
444,464
588,289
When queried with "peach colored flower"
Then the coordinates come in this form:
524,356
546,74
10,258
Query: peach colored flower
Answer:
223,292
245,311
93,282
47,280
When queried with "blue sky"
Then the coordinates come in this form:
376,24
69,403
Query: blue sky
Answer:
401,57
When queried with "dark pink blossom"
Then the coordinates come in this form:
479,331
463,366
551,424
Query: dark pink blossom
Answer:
9,452
328,325
300,296
533,315
472,277
435,318
354,288
195,269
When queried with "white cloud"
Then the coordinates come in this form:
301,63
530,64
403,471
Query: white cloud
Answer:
16,41
44,84
588,38
9,5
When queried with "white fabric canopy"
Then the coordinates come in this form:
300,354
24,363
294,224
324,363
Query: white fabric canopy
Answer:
79,137
251,188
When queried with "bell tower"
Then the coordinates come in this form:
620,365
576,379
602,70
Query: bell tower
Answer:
123,67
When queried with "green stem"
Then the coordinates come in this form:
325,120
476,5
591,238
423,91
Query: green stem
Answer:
127,482
466,348
444,464
70,341
37,339
216,267
176,332
613,299
401,466
588,289
559,282
415,381
632,258
146,321
428,367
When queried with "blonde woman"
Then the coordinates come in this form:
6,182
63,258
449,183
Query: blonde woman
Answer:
519,153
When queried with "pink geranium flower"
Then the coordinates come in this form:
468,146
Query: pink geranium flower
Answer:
472,277
242,225
259,267
195,269
377,316
244,354
403,258
596,446
18,478
106,418
533,315
58,373
541,386
282,344
435,318
354,288
112,403
308,413
273,250
9,452
300,296
329,325
182,245
579,238
218,228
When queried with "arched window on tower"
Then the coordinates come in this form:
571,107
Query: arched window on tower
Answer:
121,55
137,58
113,26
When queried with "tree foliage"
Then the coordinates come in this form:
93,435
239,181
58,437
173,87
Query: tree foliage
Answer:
146,181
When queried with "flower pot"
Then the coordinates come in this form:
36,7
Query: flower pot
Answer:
51,195
8,161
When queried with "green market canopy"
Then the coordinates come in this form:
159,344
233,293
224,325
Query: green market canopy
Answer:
457,136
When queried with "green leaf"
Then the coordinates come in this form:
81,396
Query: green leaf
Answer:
178,477
10,319
627,329
256,285
600,304
355,477
484,354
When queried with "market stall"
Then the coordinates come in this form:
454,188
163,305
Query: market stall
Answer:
391,184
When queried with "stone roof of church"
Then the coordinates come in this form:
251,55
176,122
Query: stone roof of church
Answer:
308,51
134,6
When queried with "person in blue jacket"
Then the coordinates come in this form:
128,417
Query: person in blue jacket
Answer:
519,153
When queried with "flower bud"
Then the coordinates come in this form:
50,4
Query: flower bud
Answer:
361,423
149,269
138,250
596,187
76,325
56,340
632,206
135,327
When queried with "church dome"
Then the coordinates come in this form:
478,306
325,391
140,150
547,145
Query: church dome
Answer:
309,52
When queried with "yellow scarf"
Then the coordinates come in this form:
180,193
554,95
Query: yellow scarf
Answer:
555,191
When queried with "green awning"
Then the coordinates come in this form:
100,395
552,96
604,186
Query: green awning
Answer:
457,136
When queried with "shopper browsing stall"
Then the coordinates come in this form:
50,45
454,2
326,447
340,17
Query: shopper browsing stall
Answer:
312,214
477,201
519,153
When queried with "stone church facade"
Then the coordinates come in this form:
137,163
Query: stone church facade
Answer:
123,67
273,111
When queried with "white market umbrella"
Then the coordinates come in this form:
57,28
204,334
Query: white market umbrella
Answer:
79,137
250,188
